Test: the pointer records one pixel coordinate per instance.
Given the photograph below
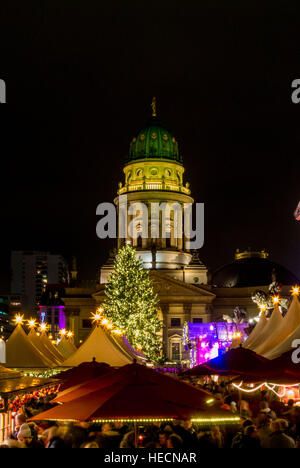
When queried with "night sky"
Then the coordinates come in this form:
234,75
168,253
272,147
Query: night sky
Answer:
80,78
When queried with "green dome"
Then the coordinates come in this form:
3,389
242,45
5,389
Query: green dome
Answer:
154,142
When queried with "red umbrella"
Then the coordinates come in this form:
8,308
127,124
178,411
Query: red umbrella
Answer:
285,365
177,391
127,400
136,392
238,361
83,372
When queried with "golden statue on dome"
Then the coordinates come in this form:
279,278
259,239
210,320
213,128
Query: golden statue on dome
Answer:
153,105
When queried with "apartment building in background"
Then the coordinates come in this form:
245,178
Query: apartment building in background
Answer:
31,272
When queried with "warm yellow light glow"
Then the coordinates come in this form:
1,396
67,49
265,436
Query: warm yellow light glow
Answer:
100,310
105,321
43,327
275,299
235,419
117,332
70,334
262,307
31,323
295,290
63,332
19,319
96,317
268,385
139,347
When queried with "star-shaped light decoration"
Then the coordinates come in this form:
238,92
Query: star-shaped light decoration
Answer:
96,317
295,290
275,299
19,319
43,327
31,323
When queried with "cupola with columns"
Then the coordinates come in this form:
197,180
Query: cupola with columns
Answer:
153,174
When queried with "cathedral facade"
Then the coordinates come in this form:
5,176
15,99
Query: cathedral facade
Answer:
154,174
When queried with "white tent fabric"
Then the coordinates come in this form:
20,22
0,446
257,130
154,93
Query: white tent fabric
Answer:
51,348
284,346
2,351
66,347
100,346
289,323
37,341
254,336
127,348
273,325
21,353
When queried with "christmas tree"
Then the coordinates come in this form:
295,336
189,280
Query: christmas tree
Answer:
132,305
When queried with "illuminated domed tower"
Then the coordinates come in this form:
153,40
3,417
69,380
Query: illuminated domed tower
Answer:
153,175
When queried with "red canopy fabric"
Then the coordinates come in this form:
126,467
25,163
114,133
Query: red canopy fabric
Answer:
136,392
178,391
238,361
82,373
285,362
251,367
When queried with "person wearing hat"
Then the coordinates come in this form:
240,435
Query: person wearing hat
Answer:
24,434
26,438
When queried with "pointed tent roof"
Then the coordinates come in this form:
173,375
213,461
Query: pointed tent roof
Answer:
99,345
66,347
37,341
274,323
289,323
21,353
284,346
51,348
254,336
127,348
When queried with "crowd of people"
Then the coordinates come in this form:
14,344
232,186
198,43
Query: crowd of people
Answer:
264,424
260,428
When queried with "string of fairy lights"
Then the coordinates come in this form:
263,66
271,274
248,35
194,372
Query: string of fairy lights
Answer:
98,318
270,386
41,328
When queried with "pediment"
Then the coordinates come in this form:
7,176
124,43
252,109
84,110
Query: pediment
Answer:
165,285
